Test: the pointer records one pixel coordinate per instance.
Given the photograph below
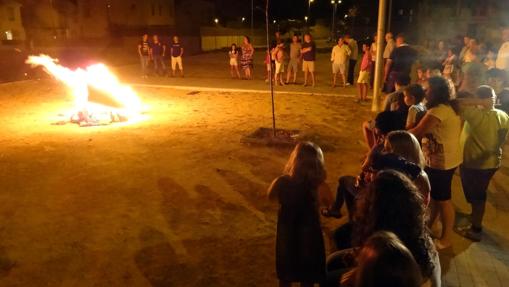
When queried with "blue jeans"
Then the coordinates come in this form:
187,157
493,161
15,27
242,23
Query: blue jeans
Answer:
159,65
144,64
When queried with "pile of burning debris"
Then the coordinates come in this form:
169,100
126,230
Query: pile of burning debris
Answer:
99,97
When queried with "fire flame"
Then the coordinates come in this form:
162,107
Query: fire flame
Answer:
117,102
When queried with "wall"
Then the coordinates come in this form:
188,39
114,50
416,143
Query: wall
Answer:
10,22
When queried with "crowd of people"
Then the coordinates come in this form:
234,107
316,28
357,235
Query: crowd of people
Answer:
448,120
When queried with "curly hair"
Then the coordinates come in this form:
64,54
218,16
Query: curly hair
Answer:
393,203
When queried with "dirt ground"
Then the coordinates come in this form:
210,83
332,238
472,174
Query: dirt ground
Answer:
174,200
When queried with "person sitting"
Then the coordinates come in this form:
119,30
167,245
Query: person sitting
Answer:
392,203
384,261
300,251
406,145
413,97
385,122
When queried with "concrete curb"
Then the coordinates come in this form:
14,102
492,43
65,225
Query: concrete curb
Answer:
205,89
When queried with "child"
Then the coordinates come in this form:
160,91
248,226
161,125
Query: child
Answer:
177,51
308,53
268,65
414,94
300,251
234,63
339,57
450,64
364,73
278,54
421,76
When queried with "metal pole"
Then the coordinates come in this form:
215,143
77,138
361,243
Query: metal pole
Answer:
252,18
271,84
382,9
332,25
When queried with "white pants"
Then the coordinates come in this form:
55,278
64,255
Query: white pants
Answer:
176,61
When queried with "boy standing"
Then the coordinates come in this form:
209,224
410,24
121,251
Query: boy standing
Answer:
339,57
177,51
352,44
144,54
278,54
309,57
295,55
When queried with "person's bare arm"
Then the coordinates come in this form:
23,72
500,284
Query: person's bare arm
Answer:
139,50
164,50
181,52
427,124
325,195
487,103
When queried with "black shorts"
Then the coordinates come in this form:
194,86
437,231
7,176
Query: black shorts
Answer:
475,182
440,181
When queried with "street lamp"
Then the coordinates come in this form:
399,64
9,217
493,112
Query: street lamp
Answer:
309,6
243,19
333,24
216,21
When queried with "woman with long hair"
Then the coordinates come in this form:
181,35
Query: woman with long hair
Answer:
407,146
394,204
246,58
300,251
440,131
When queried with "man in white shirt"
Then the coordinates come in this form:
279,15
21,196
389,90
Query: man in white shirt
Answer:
503,54
389,46
339,57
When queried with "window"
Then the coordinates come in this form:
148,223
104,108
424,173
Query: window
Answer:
11,15
8,35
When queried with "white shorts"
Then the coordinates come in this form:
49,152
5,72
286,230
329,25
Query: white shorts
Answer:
339,68
308,66
363,77
234,62
176,61
280,67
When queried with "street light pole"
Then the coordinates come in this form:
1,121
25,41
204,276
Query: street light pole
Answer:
382,13
333,24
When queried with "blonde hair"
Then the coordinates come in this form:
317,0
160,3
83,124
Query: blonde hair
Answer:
306,164
405,145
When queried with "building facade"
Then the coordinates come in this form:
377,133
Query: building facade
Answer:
11,26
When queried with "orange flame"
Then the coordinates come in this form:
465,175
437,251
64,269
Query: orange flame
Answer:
121,99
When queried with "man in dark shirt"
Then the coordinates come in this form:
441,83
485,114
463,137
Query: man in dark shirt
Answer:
144,54
176,56
308,53
158,50
399,63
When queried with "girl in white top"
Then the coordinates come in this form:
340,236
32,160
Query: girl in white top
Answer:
234,62
440,131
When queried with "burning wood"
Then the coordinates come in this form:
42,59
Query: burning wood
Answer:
99,96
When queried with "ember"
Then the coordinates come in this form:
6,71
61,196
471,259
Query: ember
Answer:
100,98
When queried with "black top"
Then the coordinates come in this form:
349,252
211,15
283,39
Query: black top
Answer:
176,49
145,47
300,251
311,55
403,58
157,49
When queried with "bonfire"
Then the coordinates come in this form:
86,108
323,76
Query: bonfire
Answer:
99,97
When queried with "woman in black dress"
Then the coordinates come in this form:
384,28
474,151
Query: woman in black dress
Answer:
300,252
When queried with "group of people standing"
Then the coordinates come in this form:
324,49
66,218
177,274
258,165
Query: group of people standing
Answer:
427,132
157,53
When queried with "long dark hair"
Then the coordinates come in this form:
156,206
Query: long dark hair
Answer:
248,39
306,165
385,261
393,203
438,93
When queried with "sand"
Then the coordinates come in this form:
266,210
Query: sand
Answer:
174,200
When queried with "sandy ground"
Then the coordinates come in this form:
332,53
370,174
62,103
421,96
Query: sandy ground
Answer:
176,199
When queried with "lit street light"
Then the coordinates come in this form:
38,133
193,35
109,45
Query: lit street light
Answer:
216,21
243,19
